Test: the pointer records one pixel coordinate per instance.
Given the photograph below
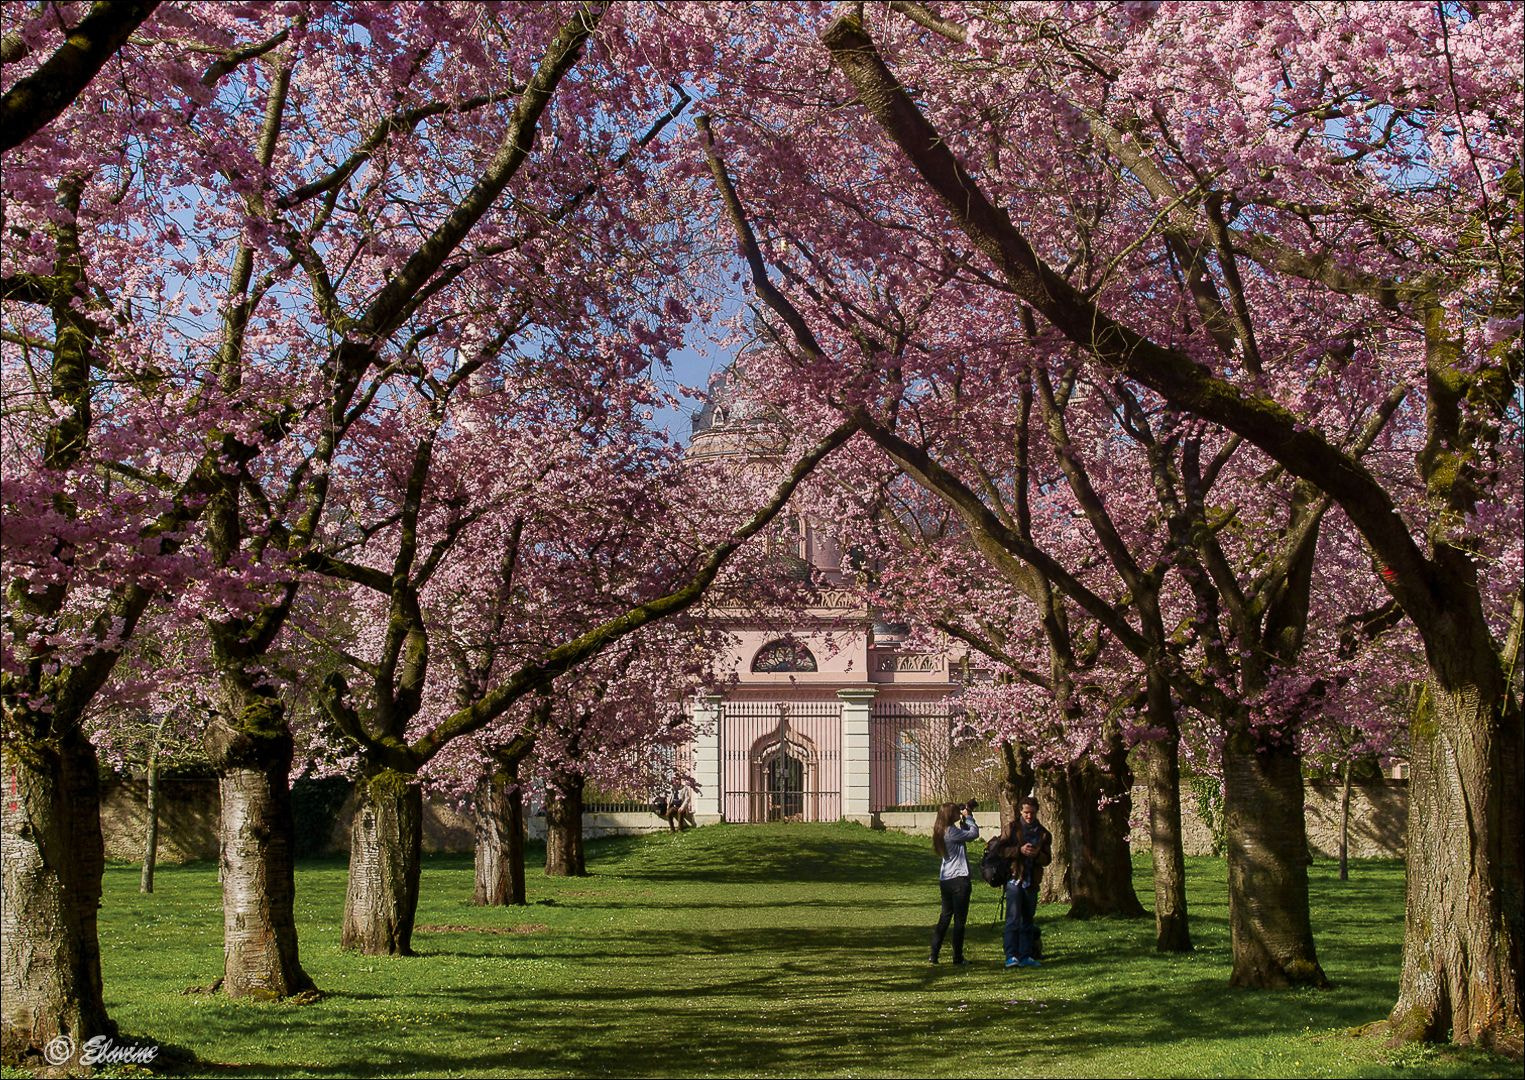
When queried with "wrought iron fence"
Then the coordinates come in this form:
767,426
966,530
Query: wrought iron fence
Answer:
628,806
909,743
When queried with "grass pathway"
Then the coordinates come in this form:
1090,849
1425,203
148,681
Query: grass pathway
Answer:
758,951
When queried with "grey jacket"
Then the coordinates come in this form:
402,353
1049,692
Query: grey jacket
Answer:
956,862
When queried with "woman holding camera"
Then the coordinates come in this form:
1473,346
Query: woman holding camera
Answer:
955,827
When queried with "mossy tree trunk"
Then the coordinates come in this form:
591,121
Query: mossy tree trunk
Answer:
251,754
386,838
1271,931
563,826
1345,823
51,864
1051,788
151,827
1016,781
498,814
1462,920
1172,927
1100,871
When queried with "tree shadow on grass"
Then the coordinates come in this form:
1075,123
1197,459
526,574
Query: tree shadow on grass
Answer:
712,1031
681,1000
844,999
806,861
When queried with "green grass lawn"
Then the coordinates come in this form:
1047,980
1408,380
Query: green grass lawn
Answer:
796,950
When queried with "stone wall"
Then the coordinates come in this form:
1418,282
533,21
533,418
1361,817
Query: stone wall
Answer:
188,814
919,821
1379,814
445,828
1378,819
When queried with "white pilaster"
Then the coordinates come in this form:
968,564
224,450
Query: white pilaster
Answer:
707,765
855,762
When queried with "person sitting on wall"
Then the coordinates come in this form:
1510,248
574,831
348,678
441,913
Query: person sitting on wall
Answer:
680,808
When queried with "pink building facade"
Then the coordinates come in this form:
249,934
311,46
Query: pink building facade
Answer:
826,714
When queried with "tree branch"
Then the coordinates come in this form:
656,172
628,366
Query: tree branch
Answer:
1170,372
538,675
40,97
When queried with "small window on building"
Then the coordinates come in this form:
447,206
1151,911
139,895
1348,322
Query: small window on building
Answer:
783,656
907,770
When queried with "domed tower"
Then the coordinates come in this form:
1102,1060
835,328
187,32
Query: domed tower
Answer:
735,427
826,714
732,424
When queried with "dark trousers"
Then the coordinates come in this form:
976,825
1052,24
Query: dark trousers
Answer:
1021,913
955,893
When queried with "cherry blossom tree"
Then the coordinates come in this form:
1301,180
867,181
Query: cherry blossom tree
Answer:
146,726
1067,736
39,96
110,444
620,720
1304,162
382,274
234,267
243,253
567,500
1247,270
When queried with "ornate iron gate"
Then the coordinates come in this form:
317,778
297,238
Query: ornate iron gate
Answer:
781,761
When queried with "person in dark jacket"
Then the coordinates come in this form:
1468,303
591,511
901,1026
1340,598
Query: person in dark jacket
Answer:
1031,849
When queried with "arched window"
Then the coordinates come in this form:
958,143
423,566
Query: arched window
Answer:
783,655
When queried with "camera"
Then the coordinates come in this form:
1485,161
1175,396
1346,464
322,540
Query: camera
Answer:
971,806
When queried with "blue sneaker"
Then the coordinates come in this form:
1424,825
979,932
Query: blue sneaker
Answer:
1012,961
1028,961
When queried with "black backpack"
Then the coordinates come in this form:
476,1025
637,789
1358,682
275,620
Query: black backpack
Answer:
995,867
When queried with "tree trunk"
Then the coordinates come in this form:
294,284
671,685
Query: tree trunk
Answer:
563,826
1051,789
51,864
1172,928
1462,924
1345,824
499,816
1269,923
252,757
151,830
1101,863
385,840
1016,781
516,832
